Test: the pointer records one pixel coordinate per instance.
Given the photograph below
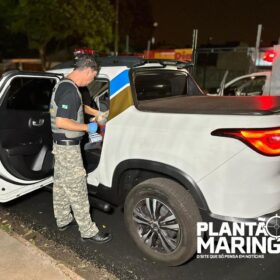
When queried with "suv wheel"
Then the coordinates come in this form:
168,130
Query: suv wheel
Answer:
161,217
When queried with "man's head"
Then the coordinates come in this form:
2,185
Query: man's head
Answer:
85,69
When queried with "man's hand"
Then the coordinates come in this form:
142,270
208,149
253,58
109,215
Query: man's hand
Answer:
102,117
92,127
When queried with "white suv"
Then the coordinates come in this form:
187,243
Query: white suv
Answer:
170,156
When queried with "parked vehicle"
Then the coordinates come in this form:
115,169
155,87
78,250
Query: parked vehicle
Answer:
254,84
258,83
171,156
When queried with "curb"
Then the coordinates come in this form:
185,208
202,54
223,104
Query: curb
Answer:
67,272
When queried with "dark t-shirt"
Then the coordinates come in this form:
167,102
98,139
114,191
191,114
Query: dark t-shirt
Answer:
87,101
68,103
85,96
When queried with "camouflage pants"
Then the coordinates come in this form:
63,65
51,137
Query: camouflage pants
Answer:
70,190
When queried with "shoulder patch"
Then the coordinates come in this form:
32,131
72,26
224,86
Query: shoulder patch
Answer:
64,106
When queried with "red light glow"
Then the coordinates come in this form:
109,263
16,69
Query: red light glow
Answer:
264,141
84,51
266,102
269,56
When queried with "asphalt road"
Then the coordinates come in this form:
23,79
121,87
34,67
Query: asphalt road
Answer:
123,258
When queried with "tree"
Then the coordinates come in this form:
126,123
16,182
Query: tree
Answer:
87,22
11,44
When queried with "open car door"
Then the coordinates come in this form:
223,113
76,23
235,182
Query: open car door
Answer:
26,161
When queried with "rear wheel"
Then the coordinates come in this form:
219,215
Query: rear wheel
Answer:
161,218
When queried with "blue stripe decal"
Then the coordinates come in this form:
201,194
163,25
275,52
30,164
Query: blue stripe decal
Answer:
119,81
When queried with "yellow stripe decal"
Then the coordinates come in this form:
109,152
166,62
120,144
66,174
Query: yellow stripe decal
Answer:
120,102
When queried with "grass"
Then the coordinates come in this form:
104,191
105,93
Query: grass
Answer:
6,227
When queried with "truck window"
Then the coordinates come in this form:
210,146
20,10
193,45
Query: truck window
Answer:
164,83
99,91
30,93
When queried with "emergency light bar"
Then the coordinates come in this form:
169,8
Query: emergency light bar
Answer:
84,51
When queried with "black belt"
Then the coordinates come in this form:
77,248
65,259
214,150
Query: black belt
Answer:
67,142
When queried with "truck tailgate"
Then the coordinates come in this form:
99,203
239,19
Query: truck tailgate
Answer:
214,105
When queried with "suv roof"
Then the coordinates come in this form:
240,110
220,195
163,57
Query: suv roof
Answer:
128,61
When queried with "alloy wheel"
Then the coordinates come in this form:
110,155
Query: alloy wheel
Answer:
157,225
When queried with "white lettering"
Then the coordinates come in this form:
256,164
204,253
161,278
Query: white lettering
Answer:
236,238
201,244
237,243
261,230
201,227
248,245
273,246
222,245
259,245
211,231
251,228
225,230
238,229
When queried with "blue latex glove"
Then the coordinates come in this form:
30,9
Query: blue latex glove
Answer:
92,127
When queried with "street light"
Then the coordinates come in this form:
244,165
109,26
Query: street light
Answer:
153,40
116,49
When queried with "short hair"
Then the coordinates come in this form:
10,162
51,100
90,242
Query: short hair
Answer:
82,61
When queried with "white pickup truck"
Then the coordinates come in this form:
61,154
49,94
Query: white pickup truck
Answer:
171,156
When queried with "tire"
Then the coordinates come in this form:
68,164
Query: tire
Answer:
169,231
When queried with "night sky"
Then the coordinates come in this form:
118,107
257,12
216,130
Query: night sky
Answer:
220,20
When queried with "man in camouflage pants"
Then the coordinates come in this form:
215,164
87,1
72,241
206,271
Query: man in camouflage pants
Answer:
68,127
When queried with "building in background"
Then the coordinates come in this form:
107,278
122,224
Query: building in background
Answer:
177,54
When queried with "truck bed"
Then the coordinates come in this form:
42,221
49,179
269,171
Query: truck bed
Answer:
214,105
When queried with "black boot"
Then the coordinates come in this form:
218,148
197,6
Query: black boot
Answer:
100,237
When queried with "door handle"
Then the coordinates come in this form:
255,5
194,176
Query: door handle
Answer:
37,123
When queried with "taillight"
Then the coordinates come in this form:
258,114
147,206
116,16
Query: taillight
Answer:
264,141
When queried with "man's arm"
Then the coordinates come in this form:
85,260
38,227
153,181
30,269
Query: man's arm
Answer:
69,124
90,111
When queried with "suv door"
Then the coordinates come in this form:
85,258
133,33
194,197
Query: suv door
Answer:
25,133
